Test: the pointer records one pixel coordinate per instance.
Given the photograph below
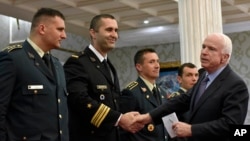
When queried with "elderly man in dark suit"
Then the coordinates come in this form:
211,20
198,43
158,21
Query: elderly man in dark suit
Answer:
94,88
33,97
223,102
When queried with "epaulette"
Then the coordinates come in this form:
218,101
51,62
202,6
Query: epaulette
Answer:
131,85
174,94
77,55
12,47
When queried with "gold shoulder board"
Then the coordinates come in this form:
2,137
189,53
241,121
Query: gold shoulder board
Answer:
74,56
131,85
77,55
174,94
12,47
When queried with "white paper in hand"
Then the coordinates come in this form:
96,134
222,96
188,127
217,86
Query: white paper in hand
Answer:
168,121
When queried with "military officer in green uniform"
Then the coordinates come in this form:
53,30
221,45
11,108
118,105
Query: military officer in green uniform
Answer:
143,95
33,96
187,76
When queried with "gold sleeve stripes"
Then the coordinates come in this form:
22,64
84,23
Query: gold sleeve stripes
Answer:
100,115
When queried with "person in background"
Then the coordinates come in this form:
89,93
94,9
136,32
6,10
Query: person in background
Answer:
33,96
223,103
187,77
94,89
143,95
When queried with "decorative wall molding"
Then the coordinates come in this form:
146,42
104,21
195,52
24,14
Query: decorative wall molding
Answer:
168,65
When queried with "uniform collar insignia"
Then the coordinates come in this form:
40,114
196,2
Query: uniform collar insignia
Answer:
31,55
92,59
143,89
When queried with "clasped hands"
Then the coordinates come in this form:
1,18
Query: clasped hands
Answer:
134,121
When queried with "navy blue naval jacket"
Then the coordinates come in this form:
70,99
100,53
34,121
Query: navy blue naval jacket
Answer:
33,102
93,98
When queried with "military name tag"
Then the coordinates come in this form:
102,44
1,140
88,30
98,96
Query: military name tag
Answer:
101,87
32,87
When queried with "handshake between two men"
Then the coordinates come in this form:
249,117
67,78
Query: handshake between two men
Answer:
134,122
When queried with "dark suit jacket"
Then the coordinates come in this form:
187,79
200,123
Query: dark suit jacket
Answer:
33,101
93,98
138,97
223,103
182,116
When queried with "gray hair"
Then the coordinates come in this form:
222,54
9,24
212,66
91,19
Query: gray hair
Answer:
227,44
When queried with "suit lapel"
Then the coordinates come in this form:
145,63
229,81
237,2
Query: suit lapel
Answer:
147,93
37,61
210,91
55,67
149,96
93,58
195,91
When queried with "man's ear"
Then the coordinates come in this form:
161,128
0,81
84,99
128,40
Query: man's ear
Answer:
224,58
138,67
179,79
92,33
41,29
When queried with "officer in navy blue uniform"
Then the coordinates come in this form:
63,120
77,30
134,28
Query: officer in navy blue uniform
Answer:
141,96
33,98
93,87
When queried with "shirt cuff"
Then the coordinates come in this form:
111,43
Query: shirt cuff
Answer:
117,122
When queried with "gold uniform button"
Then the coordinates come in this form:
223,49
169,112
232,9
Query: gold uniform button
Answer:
60,131
151,127
59,100
24,138
35,91
60,116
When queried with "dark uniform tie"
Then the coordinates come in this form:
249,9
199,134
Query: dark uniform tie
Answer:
47,61
108,70
156,95
202,88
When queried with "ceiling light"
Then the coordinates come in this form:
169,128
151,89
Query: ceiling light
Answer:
146,22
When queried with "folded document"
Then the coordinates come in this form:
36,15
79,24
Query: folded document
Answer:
168,121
